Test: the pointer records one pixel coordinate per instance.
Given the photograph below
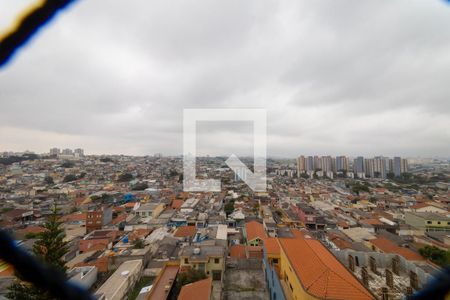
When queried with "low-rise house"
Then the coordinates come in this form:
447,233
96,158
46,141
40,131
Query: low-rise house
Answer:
199,290
427,221
254,233
162,286
309,271
84,276
121,281
205,258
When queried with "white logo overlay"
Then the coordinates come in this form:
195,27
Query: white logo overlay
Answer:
256,180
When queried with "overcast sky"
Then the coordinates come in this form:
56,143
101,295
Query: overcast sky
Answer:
336,77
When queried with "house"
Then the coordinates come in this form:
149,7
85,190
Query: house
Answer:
96,219
429,207
308,216
205,258
163,283
271,265
199,290
185,232
121,282
427,221
384,245
85,276
309,271
254,233
152,210
98,240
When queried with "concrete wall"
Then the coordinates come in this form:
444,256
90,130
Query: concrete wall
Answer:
273,281
85,276
384,260
118,285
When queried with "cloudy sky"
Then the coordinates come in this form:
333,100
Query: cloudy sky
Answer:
336,77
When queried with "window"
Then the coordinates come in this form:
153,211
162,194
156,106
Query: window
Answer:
216,260
186,261
439,222
275,260
428,222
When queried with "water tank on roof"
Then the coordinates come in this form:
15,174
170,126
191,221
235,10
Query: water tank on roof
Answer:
196,251
125,273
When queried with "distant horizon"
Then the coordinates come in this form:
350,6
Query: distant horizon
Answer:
227,155
355,77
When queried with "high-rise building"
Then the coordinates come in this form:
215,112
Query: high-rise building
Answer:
301,165
397,166
317,163
381,166
341,163
358,166
55,151
78,152
327,165
404,166
310,163
67,152
369,167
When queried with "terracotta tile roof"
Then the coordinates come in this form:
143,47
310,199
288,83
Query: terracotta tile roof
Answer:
176,203
371,222
185,231
74,217
199,290
388,246
119,218
238,251
271,245
129,204
31,229
319,272
254,230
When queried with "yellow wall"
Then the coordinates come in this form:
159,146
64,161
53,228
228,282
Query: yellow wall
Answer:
254,242
158,210
434,223
289,278
210,264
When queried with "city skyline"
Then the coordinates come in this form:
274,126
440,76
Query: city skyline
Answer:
345,77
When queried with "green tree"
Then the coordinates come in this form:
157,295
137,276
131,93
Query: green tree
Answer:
67,164
48,180
138,244
304,176
140,186
125,177
190,276
436,255
69,178
229,207
49,248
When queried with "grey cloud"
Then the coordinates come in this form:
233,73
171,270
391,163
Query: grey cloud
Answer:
334,76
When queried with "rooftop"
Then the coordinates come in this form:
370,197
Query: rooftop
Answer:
319,272
254,230
164,282
199,290
115,283
185,231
